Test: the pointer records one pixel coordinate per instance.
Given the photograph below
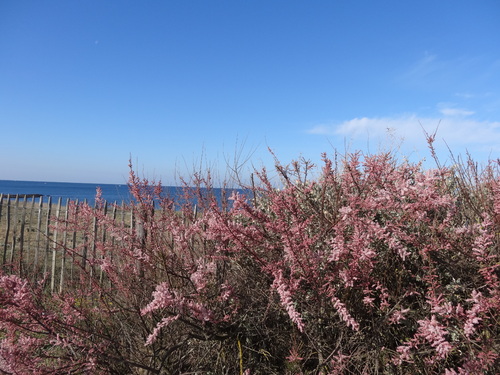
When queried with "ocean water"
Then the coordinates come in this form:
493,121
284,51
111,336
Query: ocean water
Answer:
73,191
80,191
66,190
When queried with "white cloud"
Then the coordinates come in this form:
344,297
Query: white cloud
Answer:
373,127
456,130
455,112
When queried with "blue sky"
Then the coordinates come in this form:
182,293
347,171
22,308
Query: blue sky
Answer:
187,85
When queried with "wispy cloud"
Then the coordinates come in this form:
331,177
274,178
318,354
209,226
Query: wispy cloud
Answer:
465,95
427,65
465,75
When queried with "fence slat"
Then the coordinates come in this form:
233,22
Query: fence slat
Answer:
38,235
14,233
64,246
103,240
54,247
7,230
21,237
73,242
47,235
29,234
94,248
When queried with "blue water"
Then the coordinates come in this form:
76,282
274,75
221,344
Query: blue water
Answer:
66,190
80,191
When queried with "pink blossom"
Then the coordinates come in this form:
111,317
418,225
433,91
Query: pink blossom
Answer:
472,314
286,300
162,297
434,333
404,354
164,322
398,315
294,355
344,314
345,211
338,364
368,301
202,273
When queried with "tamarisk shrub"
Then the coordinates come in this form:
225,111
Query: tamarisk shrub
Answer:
376,266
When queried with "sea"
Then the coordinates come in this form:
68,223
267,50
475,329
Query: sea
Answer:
81,191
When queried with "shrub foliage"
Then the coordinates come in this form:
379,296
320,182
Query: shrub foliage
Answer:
376,266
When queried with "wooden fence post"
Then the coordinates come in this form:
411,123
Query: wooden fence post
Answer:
14,233
94,245
105,208
73,241
30,230
64,246
85,245
7,229
37,240
47,234
54,247
21,237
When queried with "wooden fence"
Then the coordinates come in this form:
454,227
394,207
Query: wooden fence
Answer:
35,237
